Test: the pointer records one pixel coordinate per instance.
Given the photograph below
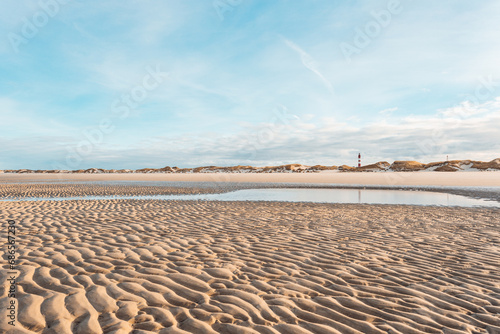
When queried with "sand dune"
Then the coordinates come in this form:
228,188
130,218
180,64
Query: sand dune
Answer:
135,266
396,166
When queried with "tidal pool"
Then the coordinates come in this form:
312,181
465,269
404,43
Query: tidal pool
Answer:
362,196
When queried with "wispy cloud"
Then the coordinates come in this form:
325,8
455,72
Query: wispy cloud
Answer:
388,111
309,63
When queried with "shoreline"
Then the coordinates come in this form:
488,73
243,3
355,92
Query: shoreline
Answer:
482,185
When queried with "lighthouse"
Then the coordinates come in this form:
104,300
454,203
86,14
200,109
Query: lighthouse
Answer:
359,160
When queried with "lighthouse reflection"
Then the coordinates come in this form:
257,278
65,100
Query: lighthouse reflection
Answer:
361,196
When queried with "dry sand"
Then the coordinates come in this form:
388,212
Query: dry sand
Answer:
137,266
491,178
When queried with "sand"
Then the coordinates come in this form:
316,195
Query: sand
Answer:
487,178
137,266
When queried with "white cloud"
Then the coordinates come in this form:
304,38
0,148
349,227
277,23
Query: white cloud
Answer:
423,138
388,111
467,109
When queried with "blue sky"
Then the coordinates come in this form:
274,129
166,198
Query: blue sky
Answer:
131,84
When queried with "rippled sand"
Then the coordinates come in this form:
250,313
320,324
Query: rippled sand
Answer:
15,191
136,266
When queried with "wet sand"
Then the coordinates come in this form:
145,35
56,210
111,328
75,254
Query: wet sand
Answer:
148,266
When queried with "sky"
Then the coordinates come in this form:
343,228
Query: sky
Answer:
134,84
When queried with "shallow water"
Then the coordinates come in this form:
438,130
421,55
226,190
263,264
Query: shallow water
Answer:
362,196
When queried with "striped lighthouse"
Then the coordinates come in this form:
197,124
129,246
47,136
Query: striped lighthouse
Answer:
359,160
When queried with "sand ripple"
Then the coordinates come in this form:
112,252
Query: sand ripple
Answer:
135,266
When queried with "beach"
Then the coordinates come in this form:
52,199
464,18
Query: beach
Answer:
250,167
486,178
153,266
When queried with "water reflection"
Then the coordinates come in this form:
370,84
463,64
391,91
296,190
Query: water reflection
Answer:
363,196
